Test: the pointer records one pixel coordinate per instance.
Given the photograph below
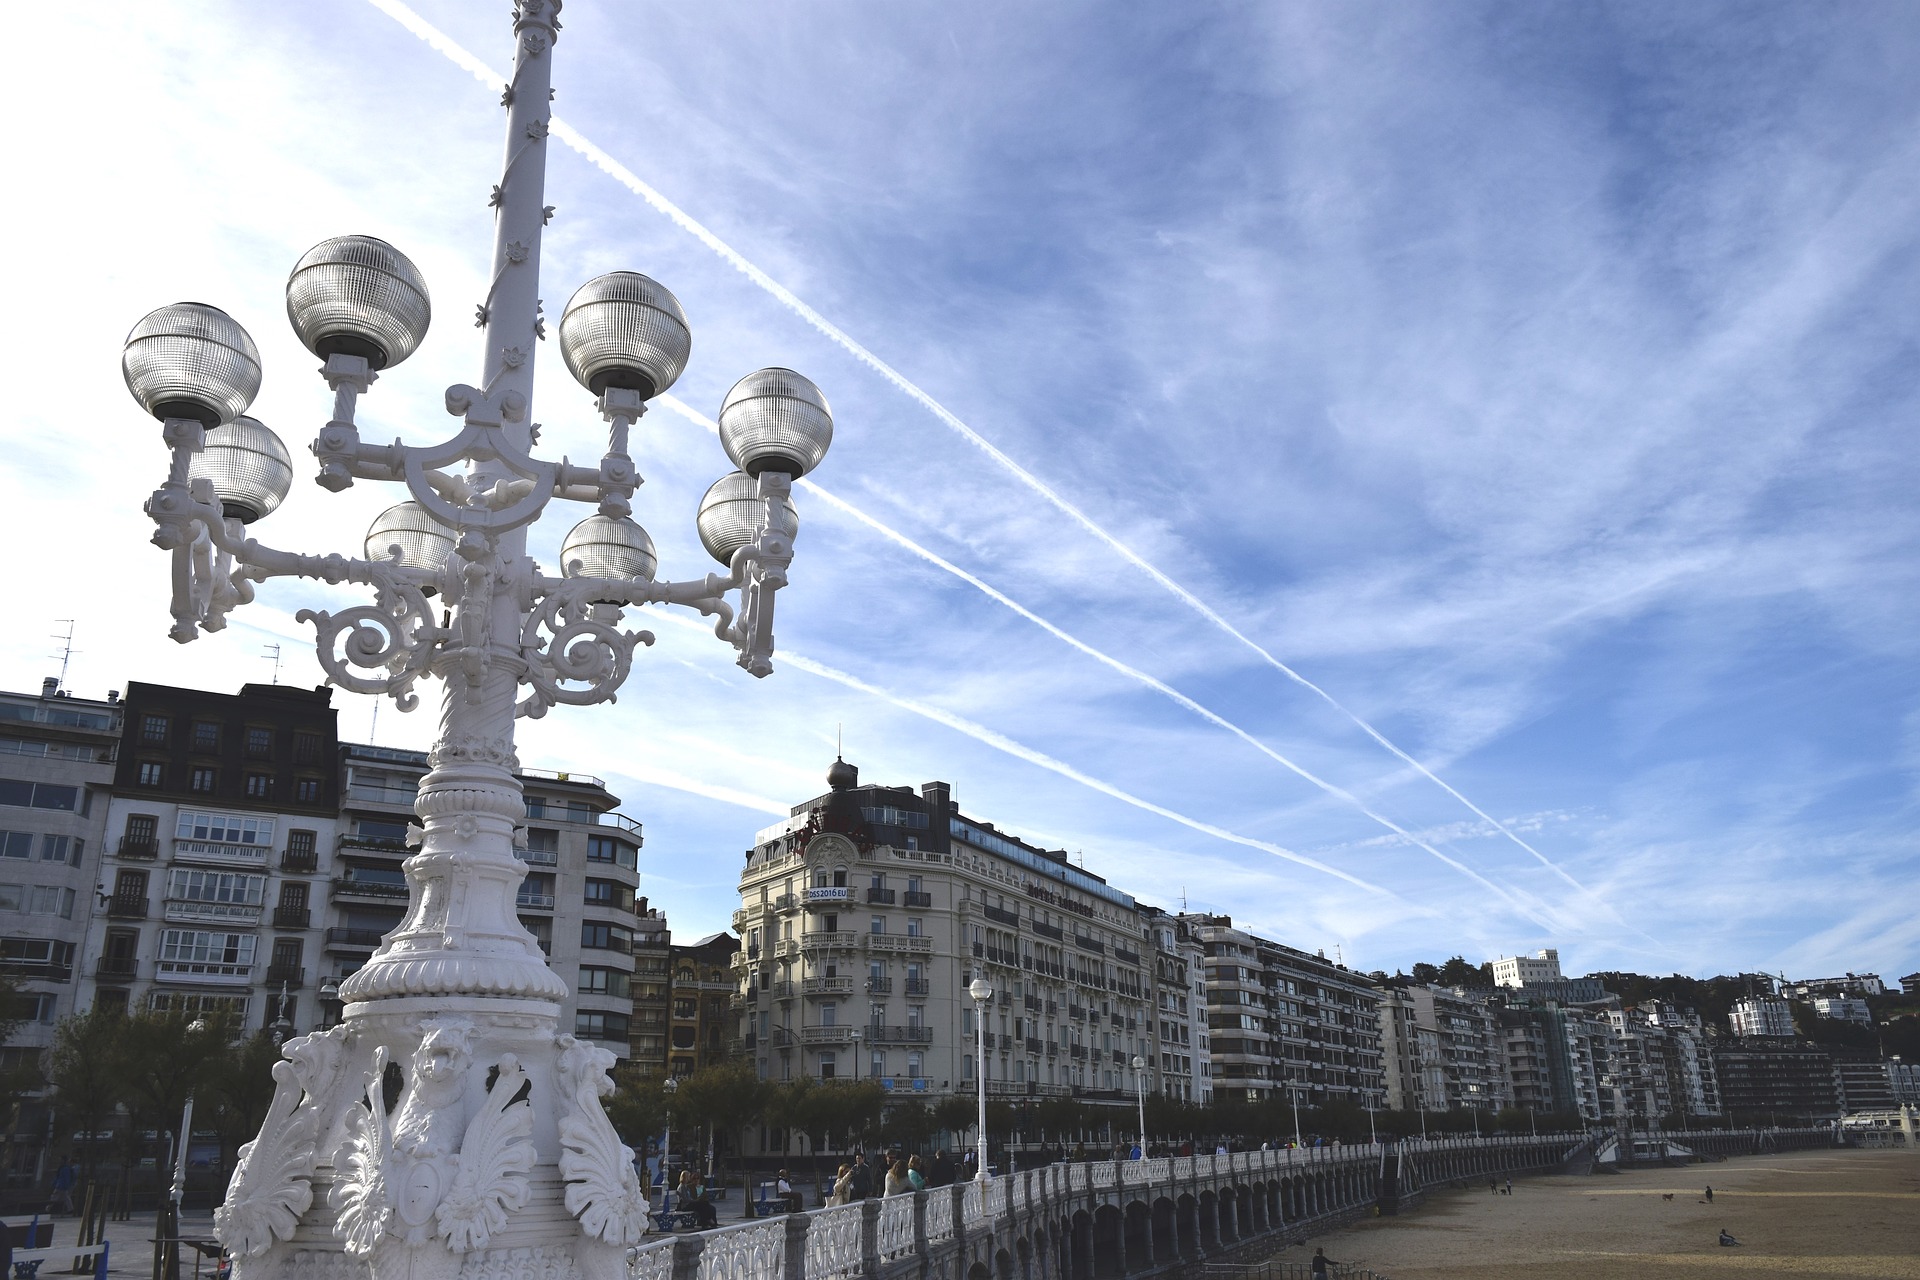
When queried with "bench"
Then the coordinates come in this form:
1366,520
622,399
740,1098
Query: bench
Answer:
670,1220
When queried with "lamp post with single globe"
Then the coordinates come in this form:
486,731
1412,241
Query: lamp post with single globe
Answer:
668,1089
982,991
1293,1092
498,1141
1140,1098
856,1055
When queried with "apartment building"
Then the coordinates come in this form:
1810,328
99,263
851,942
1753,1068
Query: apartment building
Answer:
1769,1082
869,910
652,979
1761,1016
1517,971
223,811
700,1023
1413,1070
1179,986
1281,1019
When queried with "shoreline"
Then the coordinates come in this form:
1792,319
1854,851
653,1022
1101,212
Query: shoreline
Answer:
1827,1212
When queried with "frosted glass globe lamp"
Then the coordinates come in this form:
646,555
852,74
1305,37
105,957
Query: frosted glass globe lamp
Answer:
608,547
190,360
249,468
624,330
775,420
358,296
424,542
730,515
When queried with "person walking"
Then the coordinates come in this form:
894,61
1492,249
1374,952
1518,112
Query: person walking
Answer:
842,1186
1509,1186
941,1174
916,1176
63,1179
1709,1195
1320,1264
897,1183
862,1183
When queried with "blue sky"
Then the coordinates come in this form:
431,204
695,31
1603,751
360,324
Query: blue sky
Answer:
1535,381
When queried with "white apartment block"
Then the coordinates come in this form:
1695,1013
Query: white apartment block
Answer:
1844,1008
1761,1016
866,914
1179,1008
1515,971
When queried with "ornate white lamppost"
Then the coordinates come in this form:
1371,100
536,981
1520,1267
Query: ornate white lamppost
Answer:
1140,1099
670,1088
447,1126
982,991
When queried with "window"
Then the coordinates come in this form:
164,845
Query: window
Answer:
608,849
194,951
36,953
151,773
915,927
206,736
54,849
545,839
223,888
142,829
196,1004
830,1014
34,1007
202,779
16,844
826,1066
591,1024
598,936
915,1065
307,790
306,748
293,895
286,957
596,981
38,795
609,893
259,785
153,730
223,828
879,925
259,744
300,843
37,900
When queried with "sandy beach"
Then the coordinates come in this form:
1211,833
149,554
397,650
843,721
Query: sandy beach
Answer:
1826,1213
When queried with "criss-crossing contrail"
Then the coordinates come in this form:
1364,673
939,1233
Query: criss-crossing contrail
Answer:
571,137
1132,673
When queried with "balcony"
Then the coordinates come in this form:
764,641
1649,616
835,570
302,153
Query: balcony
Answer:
537,857
883,897
291,917
826,1035
820,940
918,986
781,1037
127,906
1000,915
898,944
300,861
381,844
1125,956
1001,955
220,853
1046,930
1075,1012
1078,1051
915,898
117,969
1090,944
879,986
827,986
208,971
828,897
353,939
525,901
1053,1050
378,890
139,847
885,1033
783,902
290,976
190,911
43,970
1032,1003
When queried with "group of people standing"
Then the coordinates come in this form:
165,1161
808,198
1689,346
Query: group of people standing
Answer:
857,1180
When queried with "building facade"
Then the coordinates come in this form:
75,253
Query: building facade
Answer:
1515,971
866,914
1761,1016
700,1023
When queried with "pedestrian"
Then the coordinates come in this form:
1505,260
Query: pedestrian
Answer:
1320,1264
841,1178
63,1179
916,1176
1509,1186
897,1183
862,1182
941,1175
784,1192
1493,1186
1709,1195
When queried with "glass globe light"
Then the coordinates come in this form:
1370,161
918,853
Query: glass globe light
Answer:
190,360
358,296
249,468
608,548
775,420
624,330
424,542
730,513
980,989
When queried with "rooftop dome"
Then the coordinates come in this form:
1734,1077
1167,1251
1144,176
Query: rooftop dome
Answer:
842,776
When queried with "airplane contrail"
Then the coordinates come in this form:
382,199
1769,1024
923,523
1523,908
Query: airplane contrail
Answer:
1132,673
567,134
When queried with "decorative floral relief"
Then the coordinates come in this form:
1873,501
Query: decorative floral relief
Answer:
602,1189
491,1170
362,1203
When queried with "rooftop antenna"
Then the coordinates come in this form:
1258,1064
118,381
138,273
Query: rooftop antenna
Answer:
374,728
66,649
839,747
272,651
1338,958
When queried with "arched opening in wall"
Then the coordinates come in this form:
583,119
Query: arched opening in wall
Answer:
1003,1265
1186,1216
1248,1216
1139,1237
1228,1207
1166,1240
1209,1222
1080,1245
1109,1242
1288,1209
1023,1259
978,1271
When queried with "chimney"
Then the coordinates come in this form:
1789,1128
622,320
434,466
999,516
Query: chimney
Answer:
50,686
938,795
113,697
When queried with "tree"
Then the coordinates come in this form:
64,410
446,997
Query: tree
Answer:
907,1123
727,1096
956,1114
239,1088
85,1070
637,1107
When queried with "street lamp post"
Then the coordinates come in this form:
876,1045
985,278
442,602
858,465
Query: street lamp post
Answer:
497,1101
1293,1092
982,991
856,1055
669,1089
1140,1099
